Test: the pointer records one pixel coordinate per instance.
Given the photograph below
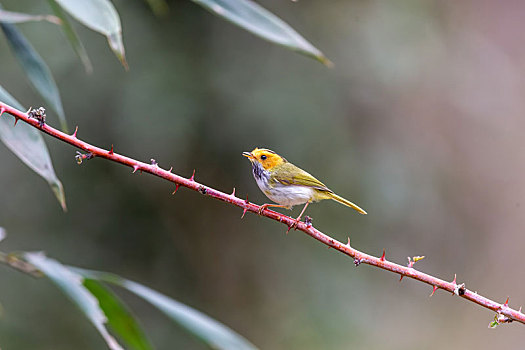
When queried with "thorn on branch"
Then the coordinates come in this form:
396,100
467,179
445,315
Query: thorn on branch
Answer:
176,189
348,243
454,281
80,157
38,114
192,178
244,212
382,258
111,150
506,302
233,192
16,120
135,168
75,133
171,168
2,110
433,291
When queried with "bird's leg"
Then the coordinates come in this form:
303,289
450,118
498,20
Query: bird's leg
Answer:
296,222
265,206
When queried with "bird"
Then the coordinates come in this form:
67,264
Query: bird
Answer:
288,185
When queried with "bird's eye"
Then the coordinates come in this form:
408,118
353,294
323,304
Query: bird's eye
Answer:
263,157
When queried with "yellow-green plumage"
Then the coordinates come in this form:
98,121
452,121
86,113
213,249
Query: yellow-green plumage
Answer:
287,184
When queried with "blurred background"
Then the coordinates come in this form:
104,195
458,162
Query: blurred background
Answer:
420,122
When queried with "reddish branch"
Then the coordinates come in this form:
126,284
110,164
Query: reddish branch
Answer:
504,312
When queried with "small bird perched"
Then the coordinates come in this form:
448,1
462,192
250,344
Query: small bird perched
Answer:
288,185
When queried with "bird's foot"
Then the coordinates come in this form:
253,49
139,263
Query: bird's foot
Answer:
262,208
294,224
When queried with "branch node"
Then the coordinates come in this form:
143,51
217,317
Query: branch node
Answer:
357,262
414,260
111,150
75,133
499,318
202,190
154,162
80,157
460,289
382,258
176,189
433,291
308,221
38,114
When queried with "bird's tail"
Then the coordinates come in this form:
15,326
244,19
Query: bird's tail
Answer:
346,202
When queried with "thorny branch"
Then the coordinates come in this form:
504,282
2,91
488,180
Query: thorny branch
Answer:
504,313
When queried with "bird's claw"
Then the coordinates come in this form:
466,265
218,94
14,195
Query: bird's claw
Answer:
261,209
294,225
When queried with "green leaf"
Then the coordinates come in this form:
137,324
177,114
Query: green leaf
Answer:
36,70
100,16
159,7
210,331
120,319
72,36
259,21
71,284
18,17
28,144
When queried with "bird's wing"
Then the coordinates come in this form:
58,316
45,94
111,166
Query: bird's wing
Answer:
292,175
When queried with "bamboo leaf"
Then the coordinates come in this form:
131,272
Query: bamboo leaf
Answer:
210,331
261,22
72,36
71,284
100,16
120,319
159,7
36,70
28,144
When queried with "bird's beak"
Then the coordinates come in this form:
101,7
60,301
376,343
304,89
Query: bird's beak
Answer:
248,155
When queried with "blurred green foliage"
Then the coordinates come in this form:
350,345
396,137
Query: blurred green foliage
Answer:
420,122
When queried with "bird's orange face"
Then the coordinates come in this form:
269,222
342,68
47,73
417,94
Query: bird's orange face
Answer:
267,158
